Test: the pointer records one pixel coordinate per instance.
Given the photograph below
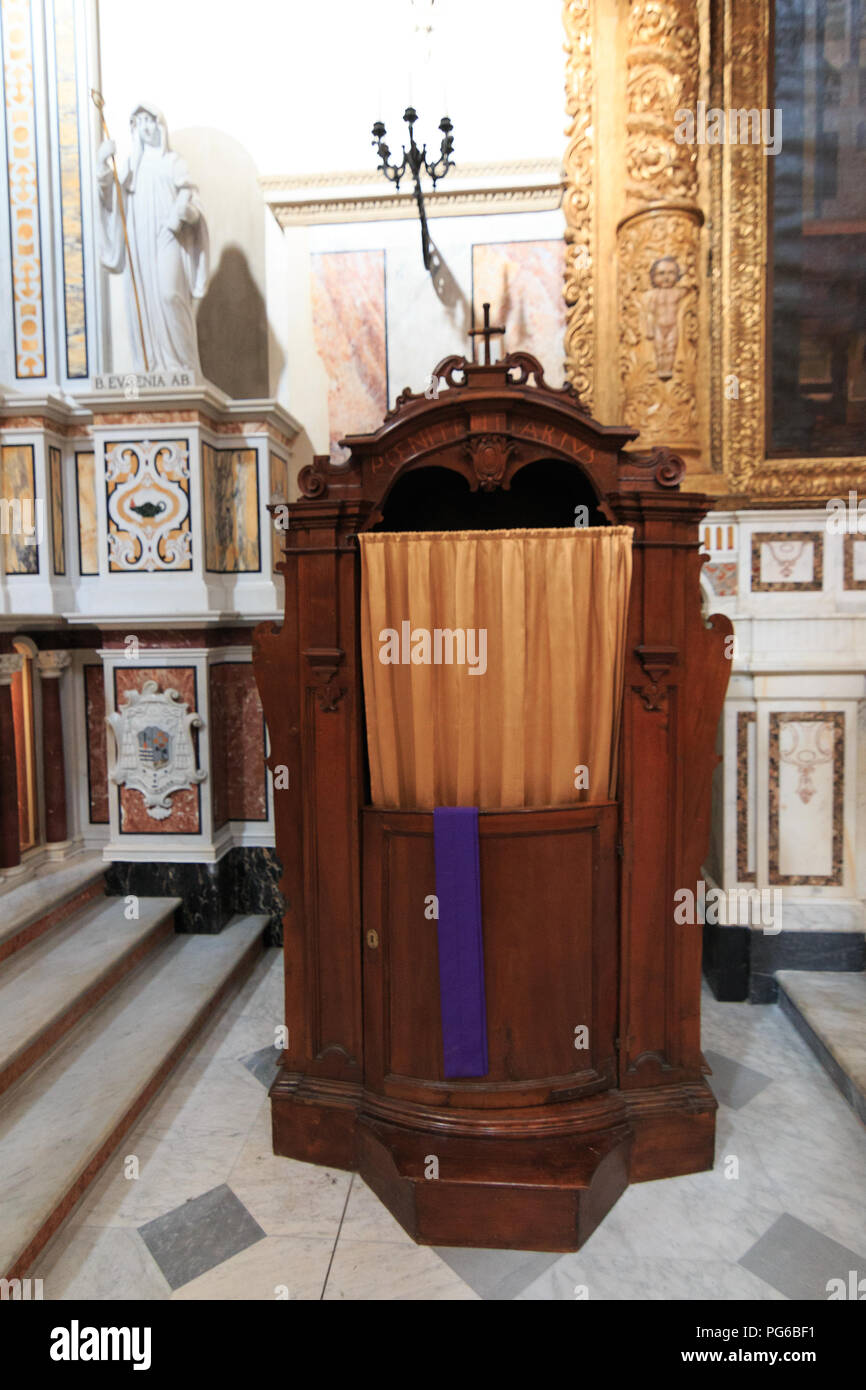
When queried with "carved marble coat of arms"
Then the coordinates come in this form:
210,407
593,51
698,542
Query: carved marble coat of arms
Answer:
155,750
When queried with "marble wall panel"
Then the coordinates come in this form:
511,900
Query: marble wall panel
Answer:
185,817
19,518
58,539
348,289
279,486
279,478
22,723
746,726
523,281
239,780
854,562
722,576
148,503
806,808
231,503
787,561
75,320
97,744
85,496
22,176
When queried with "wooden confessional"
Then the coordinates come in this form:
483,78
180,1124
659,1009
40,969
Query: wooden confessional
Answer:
578,901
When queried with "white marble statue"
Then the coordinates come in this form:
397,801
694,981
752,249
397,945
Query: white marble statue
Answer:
168,243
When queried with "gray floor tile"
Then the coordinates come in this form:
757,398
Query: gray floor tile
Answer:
199,1235
263,1064
497,1274
732,1083
798,1260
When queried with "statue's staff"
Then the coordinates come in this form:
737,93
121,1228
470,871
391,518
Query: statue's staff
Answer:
99,103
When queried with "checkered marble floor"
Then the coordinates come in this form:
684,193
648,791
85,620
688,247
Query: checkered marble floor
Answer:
196,1206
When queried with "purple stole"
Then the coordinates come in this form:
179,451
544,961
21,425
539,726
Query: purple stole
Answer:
461,947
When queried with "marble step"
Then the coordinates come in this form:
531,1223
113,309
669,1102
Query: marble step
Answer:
46,988
52,894
828,1009
63,1122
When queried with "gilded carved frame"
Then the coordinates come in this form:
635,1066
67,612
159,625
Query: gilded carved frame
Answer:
736,48
579,200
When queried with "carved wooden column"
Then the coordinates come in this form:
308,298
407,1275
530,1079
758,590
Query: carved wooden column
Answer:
10,839
676,670
51,667
661,307
310,682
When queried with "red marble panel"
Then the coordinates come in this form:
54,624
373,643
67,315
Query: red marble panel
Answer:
237,745
185,817
20,721
97,746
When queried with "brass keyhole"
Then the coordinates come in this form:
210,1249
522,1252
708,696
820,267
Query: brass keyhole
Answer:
372,939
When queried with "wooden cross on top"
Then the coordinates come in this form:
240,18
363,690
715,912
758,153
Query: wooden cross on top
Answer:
487,332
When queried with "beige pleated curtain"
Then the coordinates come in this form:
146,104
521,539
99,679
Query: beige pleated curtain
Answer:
498,721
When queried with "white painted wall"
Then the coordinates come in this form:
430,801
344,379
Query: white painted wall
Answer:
299,85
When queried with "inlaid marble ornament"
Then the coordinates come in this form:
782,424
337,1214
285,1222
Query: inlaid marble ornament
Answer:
155,750
148,506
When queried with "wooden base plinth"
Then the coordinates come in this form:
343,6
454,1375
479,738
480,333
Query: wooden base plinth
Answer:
497,1179
523,1194
674,1130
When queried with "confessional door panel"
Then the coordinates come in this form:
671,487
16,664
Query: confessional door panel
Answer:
549,920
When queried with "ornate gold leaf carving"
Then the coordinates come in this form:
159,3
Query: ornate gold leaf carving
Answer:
744,233
662,78
578,200
661,403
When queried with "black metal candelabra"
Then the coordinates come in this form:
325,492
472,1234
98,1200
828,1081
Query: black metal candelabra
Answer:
416,161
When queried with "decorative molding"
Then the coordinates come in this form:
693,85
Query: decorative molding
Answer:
361,195
658,305
155,750
52,664
147,485
579,201
325,663
310,481
835,720
745,718
489,455
10,664
668,468
502,172
740,247
806,754
659,327
23,190
70,203
656,662
662,77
